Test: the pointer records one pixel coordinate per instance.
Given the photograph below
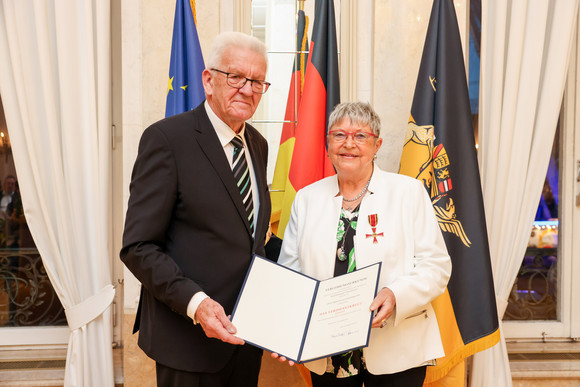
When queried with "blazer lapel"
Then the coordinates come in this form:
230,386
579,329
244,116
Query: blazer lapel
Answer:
212,148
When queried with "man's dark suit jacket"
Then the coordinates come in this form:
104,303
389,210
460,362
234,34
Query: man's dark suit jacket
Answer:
186,230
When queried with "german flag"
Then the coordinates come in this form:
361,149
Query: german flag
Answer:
184,87
280,181
439,150
320,95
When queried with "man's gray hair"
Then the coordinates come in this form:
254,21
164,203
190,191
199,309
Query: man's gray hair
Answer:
229,39
359,113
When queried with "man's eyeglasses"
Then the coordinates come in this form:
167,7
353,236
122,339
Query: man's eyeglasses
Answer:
237,81
358,137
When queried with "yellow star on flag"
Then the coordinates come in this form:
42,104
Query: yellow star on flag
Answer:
170,84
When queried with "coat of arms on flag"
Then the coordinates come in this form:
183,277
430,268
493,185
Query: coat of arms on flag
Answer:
432,166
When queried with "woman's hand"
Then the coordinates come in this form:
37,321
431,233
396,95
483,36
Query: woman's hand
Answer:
281,358
384,303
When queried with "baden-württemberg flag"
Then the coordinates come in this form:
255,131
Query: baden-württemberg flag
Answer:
440,151
280,181
320,95
184,89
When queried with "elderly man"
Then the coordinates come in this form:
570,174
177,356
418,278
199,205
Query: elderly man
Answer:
198,210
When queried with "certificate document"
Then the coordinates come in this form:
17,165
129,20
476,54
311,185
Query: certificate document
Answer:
301,318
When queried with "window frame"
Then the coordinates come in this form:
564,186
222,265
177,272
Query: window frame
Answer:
567,325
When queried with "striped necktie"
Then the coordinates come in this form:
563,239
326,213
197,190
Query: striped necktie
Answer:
242,177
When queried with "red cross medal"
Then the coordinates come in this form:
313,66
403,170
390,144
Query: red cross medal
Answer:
373,220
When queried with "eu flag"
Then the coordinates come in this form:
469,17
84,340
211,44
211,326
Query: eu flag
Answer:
184,90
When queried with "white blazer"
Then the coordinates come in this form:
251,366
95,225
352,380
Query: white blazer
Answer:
415,263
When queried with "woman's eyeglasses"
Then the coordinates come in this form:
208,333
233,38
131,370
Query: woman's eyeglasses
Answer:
358,137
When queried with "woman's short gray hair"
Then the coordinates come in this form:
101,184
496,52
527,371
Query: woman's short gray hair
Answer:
360,113
229,39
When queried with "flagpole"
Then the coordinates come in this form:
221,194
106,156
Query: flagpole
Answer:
296,74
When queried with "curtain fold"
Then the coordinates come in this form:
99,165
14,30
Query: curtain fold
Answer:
55,87
524,60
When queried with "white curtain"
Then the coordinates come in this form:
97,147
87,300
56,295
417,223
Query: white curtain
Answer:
55,87
524,57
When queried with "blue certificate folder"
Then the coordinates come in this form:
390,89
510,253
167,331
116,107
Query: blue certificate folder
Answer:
301,318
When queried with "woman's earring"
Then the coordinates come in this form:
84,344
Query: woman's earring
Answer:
375,157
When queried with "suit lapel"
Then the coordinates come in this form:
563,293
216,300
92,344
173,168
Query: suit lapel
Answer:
212,148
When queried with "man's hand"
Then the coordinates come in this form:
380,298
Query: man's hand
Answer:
384,303
215,323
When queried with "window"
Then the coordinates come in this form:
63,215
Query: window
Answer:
27,298
535,295
540,305
544,301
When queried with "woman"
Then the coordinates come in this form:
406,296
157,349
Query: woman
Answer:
364,215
